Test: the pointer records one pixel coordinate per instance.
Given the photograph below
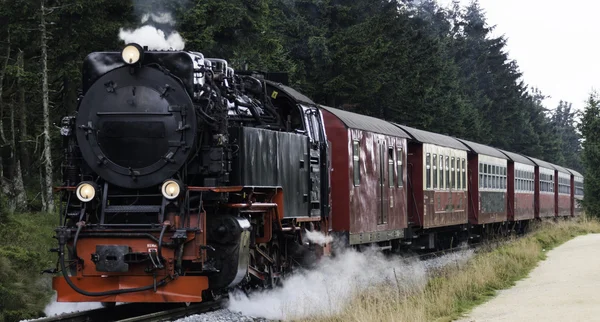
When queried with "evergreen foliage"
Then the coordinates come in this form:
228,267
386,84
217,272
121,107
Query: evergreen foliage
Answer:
415,63
590,128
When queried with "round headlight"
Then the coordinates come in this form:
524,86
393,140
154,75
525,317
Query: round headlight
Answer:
131,54
171,189
85,192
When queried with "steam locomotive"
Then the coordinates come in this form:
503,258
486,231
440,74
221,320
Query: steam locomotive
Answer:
184,179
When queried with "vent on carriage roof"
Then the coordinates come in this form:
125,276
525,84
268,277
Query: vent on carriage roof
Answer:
423,136
366,123
517,157
483,149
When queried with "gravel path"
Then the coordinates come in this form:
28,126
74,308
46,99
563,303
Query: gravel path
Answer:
564,287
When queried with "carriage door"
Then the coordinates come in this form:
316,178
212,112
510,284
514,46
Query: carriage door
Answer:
383,183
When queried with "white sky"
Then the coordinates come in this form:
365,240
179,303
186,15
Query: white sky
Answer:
554,43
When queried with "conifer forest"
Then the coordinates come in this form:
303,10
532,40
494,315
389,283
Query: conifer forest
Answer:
412,62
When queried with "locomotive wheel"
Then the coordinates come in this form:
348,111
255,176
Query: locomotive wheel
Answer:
210,295
276,267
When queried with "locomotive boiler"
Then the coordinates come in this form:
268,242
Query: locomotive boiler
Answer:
183,178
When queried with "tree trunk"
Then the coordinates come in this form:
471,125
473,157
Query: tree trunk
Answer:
47,151
3,187
18,187
23,135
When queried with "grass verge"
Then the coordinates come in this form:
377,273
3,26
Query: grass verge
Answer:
24,243
452,291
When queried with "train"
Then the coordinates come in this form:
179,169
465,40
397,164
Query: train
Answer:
184,179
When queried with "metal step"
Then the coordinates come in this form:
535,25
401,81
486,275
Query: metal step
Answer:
135,209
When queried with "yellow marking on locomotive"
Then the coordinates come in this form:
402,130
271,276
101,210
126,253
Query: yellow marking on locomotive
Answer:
274,94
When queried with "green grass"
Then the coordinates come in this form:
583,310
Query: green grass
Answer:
451,291
24,243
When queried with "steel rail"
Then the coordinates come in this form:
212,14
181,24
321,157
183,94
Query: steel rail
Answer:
135,312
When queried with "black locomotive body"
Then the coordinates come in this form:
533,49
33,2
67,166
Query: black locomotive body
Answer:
183,178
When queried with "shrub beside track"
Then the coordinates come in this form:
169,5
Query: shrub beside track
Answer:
24,242
451,292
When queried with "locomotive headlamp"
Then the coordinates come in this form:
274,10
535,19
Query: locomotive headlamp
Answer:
86,191
171,189
132,53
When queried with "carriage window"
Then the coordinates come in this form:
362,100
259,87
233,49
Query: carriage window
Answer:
442,186
391,166
458,184
435,172
399,157
448,183
356,162
464,175
428,171
453,169
480,176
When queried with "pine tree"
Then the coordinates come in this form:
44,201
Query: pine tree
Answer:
590,127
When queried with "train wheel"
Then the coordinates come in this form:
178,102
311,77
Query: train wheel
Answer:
275,269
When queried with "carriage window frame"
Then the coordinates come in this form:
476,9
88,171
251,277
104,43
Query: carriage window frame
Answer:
481,175
356,162
428,171
391,166
448,183
441,170
399,164
435,170
453,172
464,174
458,177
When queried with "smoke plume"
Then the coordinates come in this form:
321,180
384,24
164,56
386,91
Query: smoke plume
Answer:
332,285
154,38
318,237
156,28
56,308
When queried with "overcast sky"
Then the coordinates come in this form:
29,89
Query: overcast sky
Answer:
554,43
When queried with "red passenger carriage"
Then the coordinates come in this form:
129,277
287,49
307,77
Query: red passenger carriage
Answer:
576,192
521,187
562,188
487,184
368,177
545,205
437,188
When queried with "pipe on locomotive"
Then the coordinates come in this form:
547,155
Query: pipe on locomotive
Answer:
61,260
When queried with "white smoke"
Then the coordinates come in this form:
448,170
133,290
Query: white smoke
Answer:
56,308
318,237
328,288
154,38
163,18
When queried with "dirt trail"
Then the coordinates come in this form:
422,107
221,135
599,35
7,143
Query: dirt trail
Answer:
564,287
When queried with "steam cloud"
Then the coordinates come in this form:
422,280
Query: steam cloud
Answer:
56,308
317,237
153,37
328,288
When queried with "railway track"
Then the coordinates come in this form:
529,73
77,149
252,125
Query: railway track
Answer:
149,312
